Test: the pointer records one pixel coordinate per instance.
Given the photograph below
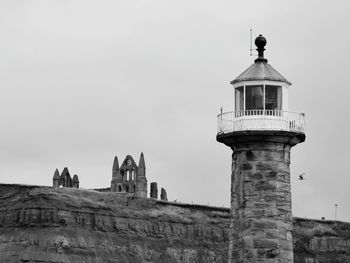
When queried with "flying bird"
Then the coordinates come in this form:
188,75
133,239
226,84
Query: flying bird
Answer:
301,176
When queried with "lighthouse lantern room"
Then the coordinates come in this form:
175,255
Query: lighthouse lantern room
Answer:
260,99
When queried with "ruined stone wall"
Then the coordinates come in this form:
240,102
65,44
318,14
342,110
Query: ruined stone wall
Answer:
44,224
107,189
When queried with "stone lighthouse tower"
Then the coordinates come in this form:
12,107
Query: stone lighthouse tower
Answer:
261,132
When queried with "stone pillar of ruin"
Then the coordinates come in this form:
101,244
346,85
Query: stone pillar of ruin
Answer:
163,195
154,190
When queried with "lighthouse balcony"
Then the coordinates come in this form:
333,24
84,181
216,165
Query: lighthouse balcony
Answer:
260,120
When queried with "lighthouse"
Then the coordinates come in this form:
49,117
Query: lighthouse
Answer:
261,132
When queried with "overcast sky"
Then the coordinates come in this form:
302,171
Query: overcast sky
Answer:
83,81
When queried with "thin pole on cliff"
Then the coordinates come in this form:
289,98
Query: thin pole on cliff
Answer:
335,212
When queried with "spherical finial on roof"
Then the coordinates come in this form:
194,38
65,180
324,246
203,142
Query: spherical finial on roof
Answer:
260,43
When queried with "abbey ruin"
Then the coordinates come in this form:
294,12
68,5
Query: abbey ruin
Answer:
129,179
65,179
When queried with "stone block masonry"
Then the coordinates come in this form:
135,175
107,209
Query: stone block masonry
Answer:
261,204
261,216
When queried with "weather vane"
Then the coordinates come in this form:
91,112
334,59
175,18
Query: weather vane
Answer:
251,41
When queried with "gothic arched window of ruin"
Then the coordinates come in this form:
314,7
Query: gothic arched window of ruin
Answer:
129,175
119,188
127,188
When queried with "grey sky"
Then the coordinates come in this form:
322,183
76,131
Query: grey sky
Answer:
82,81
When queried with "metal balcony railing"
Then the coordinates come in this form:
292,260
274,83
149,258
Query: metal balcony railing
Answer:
246,120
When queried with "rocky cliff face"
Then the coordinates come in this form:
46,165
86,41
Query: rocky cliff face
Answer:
43,224
317,241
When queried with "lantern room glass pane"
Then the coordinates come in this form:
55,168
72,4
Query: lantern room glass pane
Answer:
239,99
254,97
273,98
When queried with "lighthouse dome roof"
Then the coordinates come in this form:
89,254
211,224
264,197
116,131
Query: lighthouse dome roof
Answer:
260,70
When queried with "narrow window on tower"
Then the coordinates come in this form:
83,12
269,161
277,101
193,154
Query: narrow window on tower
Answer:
254,97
